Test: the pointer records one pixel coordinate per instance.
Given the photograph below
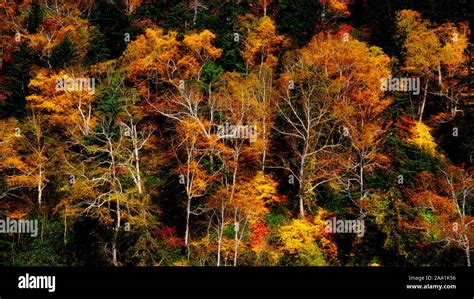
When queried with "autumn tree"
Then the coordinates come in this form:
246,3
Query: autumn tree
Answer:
430,51
355,71
444,209
192,173
344,91
165,61
262,46
235,143
24,158
67,108
308,127
251,205
104,173
304,242
63,34
332,11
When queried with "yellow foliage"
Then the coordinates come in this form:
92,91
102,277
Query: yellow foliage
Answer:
158,53
22,157
299,239
262,43
201,44
374,264
297,236
339,8
423,139
63,107
423,44
22,181
73,26
181,263
254,197
452,53
355,71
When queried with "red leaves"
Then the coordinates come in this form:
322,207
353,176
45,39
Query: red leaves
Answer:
50,24
169,236
259,232
345,28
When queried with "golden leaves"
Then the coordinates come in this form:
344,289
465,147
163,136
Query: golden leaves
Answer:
158,53
262,44
66,107
21,181
339,7
349,74
421,137
201,45
298,239
426,46
255,196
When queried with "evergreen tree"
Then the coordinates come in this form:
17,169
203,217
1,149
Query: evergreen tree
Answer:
97,50
63,53
17,76
112,21
35,17
298,19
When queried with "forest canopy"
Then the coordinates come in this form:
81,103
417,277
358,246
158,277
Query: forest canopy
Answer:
237,133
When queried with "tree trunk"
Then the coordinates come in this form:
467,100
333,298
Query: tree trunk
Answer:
361,175
301,190
264,154
361,181
195,11
236,230
65,226
440,80
264,137
468,256
114,242
221,226
137,166
40,187
188,214
219,235
424,101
